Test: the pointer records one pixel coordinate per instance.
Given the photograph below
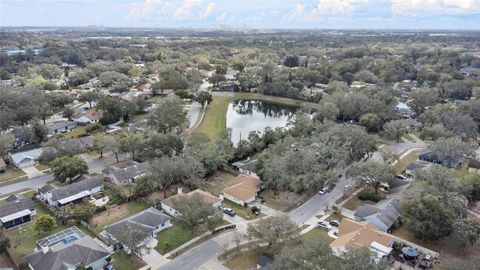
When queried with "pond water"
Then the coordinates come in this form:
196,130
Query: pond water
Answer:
244,116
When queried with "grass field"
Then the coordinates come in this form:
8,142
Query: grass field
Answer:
215,121
123,261
174,237
79,130
11,173
355,202
116,213
246,260
317,232
402,164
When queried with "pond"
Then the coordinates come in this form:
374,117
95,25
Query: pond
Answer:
244,116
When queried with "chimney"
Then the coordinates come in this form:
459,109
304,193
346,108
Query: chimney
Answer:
45,249
179,190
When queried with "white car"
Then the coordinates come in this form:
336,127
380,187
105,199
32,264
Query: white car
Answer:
323,191
324,225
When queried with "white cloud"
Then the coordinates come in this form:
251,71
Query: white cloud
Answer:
185,9
339,6
299,8
144,10
411,7
222,17
207,11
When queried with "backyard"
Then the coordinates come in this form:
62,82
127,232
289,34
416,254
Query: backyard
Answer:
215,121
123,261
116,213
217,182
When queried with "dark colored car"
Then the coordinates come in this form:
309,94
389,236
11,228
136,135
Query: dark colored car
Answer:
229,211
334,222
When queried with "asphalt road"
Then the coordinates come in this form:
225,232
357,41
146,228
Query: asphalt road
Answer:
95,165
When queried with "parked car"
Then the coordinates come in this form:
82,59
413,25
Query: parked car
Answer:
334,222
401,177
323,191
229,211
324,225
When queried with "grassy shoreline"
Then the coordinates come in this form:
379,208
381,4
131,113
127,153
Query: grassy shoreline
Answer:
277,100
215,121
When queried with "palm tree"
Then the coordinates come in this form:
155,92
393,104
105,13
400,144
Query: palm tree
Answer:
63,213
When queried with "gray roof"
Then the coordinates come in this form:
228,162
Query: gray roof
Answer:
132,170
388,215
75,188
365,210
31,154
60,125
147,221
16,206
65,256
417,165
249,165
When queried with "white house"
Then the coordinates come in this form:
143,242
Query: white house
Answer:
149,222
17,212
72,193
90,116
62,126
168,205
26,158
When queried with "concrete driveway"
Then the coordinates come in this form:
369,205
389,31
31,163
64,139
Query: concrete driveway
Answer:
32,172
152,258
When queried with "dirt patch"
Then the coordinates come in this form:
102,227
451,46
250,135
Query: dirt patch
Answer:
282,201
217,182
5,261
111,215
158,196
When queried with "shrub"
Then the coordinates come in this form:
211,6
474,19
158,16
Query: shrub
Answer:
92,127
182,93
369,196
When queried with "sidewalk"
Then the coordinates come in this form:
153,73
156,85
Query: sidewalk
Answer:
186,244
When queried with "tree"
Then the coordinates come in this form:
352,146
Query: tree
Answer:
371,173
435,132
89,97
423,98
100,141
327,111
168,116
167,171
216,78
203,98
4,243
112,143
108,78
6,143
132,237
291,61
83,212
371,122
45,223
450,149
273,230
68,167
428,217
131,142
68,113
366,77
63,213
49,71
396,128
362,259
465,233
113,109
194,210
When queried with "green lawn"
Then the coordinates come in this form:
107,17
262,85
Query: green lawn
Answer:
22,239
79,130
11,173
409,137
174,237
402,164
215,121
317,232
123,261
355,202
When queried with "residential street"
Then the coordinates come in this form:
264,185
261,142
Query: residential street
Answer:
95,165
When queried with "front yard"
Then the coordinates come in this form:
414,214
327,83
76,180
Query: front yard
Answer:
317,232
243,212
402,164
355,202
175,236
116,213
123,261
246,260
283,201
11,174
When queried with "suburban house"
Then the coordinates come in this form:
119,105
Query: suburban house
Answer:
68,249
383,218
168,205
231,74
16,212
353,235
150,221
72,193
432,157
120,176
243,190
89,116
247,167
474,166
227,86
62,126
471,71
25,158
3,166
404,109
417,166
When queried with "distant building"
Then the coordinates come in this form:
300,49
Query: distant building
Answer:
150,221
62,126
25,158
384,218
72,193
404,109
227,86
168,205
231,74
471,71
432,157
17,212
89,116
68,249
243,190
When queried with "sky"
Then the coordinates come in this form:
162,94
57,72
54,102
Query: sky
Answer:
278,14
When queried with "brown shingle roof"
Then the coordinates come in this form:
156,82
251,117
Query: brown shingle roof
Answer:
243,187
353,235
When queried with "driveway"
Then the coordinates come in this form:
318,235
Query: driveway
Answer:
152,258
32,172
